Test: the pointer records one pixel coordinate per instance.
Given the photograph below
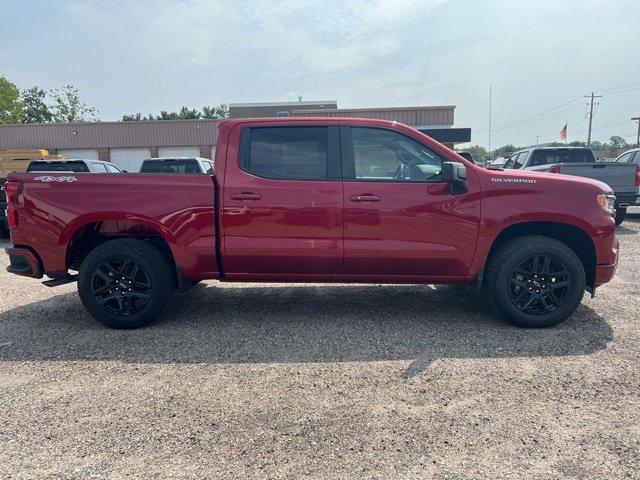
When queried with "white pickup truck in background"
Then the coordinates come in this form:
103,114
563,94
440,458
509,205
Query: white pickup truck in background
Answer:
623,175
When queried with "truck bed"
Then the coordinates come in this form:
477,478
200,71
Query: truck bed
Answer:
58,209
621,177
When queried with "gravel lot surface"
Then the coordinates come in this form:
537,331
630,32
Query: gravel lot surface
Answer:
294,381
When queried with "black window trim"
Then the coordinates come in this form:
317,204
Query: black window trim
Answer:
333,153
348,157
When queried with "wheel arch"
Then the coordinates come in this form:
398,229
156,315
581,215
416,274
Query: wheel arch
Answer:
84,235
574,237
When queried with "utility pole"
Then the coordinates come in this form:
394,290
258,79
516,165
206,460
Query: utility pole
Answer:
490,122
537,138
637,119
593,95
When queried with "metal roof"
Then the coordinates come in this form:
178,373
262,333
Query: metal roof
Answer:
158,133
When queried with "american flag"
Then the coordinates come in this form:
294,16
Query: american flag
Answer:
563,132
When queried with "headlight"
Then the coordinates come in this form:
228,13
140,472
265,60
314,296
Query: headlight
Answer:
607,203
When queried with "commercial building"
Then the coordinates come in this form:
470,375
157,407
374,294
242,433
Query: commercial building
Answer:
127,144
278,109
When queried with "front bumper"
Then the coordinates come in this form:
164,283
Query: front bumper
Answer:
23,262
605,272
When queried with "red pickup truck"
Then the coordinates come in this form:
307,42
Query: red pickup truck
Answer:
317,200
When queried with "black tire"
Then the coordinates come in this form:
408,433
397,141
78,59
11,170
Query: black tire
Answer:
621,213
514,275
125,283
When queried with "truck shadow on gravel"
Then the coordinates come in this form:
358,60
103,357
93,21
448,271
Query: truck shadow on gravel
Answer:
214,324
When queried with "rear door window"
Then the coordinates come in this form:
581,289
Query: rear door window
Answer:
293,153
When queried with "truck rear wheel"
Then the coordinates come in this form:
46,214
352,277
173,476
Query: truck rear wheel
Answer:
125,283
621,212
535,281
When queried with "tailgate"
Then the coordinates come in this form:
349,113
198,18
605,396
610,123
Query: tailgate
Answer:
621,177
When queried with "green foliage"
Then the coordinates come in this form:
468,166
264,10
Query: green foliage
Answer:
11,109
221,111
68,107
505,151
618,142
35,106
185,113
478,152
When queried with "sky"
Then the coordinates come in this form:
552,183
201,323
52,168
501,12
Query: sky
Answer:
540,57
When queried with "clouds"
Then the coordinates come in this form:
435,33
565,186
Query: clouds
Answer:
129,56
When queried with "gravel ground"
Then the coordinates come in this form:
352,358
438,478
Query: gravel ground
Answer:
294,381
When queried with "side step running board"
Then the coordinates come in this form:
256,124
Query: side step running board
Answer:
55,282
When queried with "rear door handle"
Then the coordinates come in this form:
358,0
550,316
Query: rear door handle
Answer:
365,197
246,196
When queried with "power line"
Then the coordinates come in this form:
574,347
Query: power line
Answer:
604,90
623,88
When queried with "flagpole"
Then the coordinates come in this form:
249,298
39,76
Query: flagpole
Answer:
566,134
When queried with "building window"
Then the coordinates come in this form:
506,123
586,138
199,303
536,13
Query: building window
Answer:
282,114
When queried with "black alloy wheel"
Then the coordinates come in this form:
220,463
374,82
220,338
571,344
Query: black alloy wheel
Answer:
126,282
539,284
534,281
122,286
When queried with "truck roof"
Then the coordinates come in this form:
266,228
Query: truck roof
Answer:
311,120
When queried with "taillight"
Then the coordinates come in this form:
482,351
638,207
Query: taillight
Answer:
12,190
554,169
637,175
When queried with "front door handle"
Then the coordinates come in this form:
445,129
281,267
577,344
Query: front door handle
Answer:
246,196
365,197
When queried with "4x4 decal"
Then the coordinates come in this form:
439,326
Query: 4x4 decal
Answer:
50,178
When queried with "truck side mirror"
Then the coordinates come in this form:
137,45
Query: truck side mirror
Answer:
455,174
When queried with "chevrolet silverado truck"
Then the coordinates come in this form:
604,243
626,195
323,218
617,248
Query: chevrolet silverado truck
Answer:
623,178
317,200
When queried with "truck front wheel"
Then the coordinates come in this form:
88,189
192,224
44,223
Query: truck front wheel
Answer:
535,281
125,283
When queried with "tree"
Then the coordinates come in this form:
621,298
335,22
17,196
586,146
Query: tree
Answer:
187,114
479,153
10,105
504,151
618,142
136,117
68,107
221,111
35,106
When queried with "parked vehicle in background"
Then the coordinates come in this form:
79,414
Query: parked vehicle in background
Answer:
498,162
623,178
631,156
77,165
180,165
16,161
317,200
467,155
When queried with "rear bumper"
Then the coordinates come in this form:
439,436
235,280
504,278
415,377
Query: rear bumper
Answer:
627,199
23,262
